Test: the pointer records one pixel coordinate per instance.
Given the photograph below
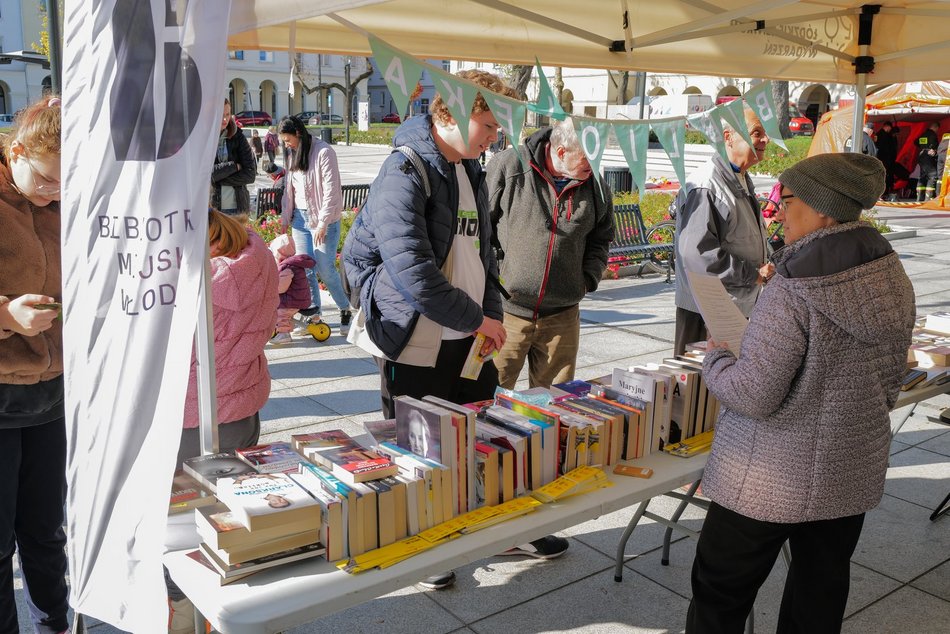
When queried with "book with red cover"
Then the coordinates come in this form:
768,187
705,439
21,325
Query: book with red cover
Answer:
348,460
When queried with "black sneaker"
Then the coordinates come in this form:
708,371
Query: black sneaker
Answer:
548,547
440,581
345,317
309,312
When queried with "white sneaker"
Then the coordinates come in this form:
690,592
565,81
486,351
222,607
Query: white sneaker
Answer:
281,339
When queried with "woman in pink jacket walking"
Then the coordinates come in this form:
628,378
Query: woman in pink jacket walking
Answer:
313,206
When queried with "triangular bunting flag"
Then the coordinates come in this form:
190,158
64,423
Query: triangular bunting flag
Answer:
458,96
760,99
401,72
733,113
710,124
547,103
634,139
593,138
672,136
510,114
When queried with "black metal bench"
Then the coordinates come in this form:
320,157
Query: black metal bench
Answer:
354,196
633,241
269,198
268,201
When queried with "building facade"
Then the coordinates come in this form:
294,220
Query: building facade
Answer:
20,82
260,80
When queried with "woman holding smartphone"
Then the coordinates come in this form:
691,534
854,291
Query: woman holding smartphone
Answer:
32,412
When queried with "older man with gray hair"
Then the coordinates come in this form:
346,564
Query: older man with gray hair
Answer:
553,225
719,230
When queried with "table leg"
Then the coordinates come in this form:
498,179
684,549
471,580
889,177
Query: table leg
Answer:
665,559
942,508
618,568
910,410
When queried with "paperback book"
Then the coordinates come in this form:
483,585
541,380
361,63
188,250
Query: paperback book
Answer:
207,468
265,500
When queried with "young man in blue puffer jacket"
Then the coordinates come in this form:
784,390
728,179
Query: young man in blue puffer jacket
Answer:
426,268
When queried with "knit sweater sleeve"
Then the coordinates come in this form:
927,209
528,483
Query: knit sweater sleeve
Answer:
773,349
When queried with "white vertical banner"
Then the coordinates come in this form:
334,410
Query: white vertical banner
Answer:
144,91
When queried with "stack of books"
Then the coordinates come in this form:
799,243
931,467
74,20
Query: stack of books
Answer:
930,344
187,494
263,520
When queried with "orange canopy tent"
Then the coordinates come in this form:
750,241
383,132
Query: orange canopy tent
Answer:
911,107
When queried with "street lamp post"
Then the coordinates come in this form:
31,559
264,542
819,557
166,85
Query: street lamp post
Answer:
349,104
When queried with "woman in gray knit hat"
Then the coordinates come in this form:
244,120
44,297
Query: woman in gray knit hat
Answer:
801,445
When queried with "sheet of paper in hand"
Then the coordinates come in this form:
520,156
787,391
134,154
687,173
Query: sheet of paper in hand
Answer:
724,321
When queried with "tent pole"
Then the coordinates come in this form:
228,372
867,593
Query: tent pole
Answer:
863,64
857,123
204,352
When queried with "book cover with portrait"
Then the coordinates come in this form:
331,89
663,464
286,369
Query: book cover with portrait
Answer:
264,500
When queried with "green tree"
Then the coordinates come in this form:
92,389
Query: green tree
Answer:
43,45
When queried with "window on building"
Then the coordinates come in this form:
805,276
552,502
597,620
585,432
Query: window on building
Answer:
238,55
446,65
266,56
424,106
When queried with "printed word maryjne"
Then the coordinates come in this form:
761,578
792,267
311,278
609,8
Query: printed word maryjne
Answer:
151,229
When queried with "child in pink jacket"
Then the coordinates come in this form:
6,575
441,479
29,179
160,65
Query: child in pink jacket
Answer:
292,285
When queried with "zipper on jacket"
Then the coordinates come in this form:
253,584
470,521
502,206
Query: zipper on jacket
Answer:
554,214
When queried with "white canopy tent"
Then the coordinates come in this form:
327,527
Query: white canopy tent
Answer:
839,41
778,39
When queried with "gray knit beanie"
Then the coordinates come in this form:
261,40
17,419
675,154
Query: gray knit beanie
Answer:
837,185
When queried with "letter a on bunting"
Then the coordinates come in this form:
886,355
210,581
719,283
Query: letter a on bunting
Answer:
400,71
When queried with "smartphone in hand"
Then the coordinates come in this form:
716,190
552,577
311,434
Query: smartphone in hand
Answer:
48,306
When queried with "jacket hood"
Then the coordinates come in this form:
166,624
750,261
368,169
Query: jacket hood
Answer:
416,132
870,273
537,145
299,259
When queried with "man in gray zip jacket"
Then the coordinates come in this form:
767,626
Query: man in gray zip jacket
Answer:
719,230
554,226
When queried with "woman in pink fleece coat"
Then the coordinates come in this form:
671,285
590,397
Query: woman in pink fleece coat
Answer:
244,295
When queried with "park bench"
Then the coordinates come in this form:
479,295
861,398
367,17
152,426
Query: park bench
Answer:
268,201
354,196
634,242
268,198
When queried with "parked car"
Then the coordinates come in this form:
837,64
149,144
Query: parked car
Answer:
325,118
306,115
253,117
6,118
799,124
392,117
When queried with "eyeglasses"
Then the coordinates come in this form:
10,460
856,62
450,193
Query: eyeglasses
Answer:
41,184
784,205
